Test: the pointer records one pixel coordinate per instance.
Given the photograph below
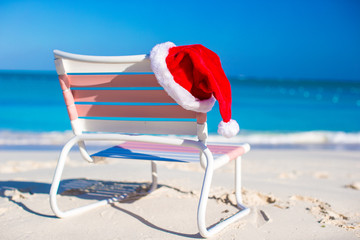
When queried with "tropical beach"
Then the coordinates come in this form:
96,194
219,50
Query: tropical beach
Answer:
298,184
295,85
292,194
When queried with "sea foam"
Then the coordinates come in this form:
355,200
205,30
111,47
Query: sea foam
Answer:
17,138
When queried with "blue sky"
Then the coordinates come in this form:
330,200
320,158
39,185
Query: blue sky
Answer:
316,39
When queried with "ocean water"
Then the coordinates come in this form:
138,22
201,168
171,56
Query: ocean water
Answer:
269,111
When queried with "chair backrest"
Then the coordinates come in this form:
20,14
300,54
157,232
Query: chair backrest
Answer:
119,94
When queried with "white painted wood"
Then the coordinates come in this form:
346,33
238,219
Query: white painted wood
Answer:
202,133
72,66
77,126
76,63
100,59
59,66
144,127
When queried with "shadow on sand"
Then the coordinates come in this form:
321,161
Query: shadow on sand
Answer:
84,189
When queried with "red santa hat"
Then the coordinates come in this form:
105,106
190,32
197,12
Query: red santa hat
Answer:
192,75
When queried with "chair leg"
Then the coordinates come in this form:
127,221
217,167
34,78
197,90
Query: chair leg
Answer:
238,184
154,177
205,232
57,178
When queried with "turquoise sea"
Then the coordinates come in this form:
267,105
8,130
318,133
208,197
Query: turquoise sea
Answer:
268,110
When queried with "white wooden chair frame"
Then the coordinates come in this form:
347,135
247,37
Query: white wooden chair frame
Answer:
207,160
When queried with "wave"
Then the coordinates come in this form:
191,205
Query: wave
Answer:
14,138
18,138
295,138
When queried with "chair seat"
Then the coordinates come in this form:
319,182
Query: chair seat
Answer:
159,152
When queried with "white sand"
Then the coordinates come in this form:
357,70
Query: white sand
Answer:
293,194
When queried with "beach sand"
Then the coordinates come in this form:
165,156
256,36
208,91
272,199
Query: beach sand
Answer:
292,193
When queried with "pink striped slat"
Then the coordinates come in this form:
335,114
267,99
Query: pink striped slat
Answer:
68,97
201,117
72,112
158,152
64,82
235,153
146,80
69,100
167,111
231,151
153,96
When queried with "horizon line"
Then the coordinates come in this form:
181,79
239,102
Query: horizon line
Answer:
241,77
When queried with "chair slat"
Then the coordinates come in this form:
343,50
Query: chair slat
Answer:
72,66
142,127
166,111
138,96
110,81
158,152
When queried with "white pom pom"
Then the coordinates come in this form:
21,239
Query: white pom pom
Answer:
228,129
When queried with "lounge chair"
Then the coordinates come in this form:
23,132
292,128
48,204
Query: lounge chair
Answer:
118,99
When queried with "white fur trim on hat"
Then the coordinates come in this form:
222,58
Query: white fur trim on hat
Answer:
183,97
229,129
